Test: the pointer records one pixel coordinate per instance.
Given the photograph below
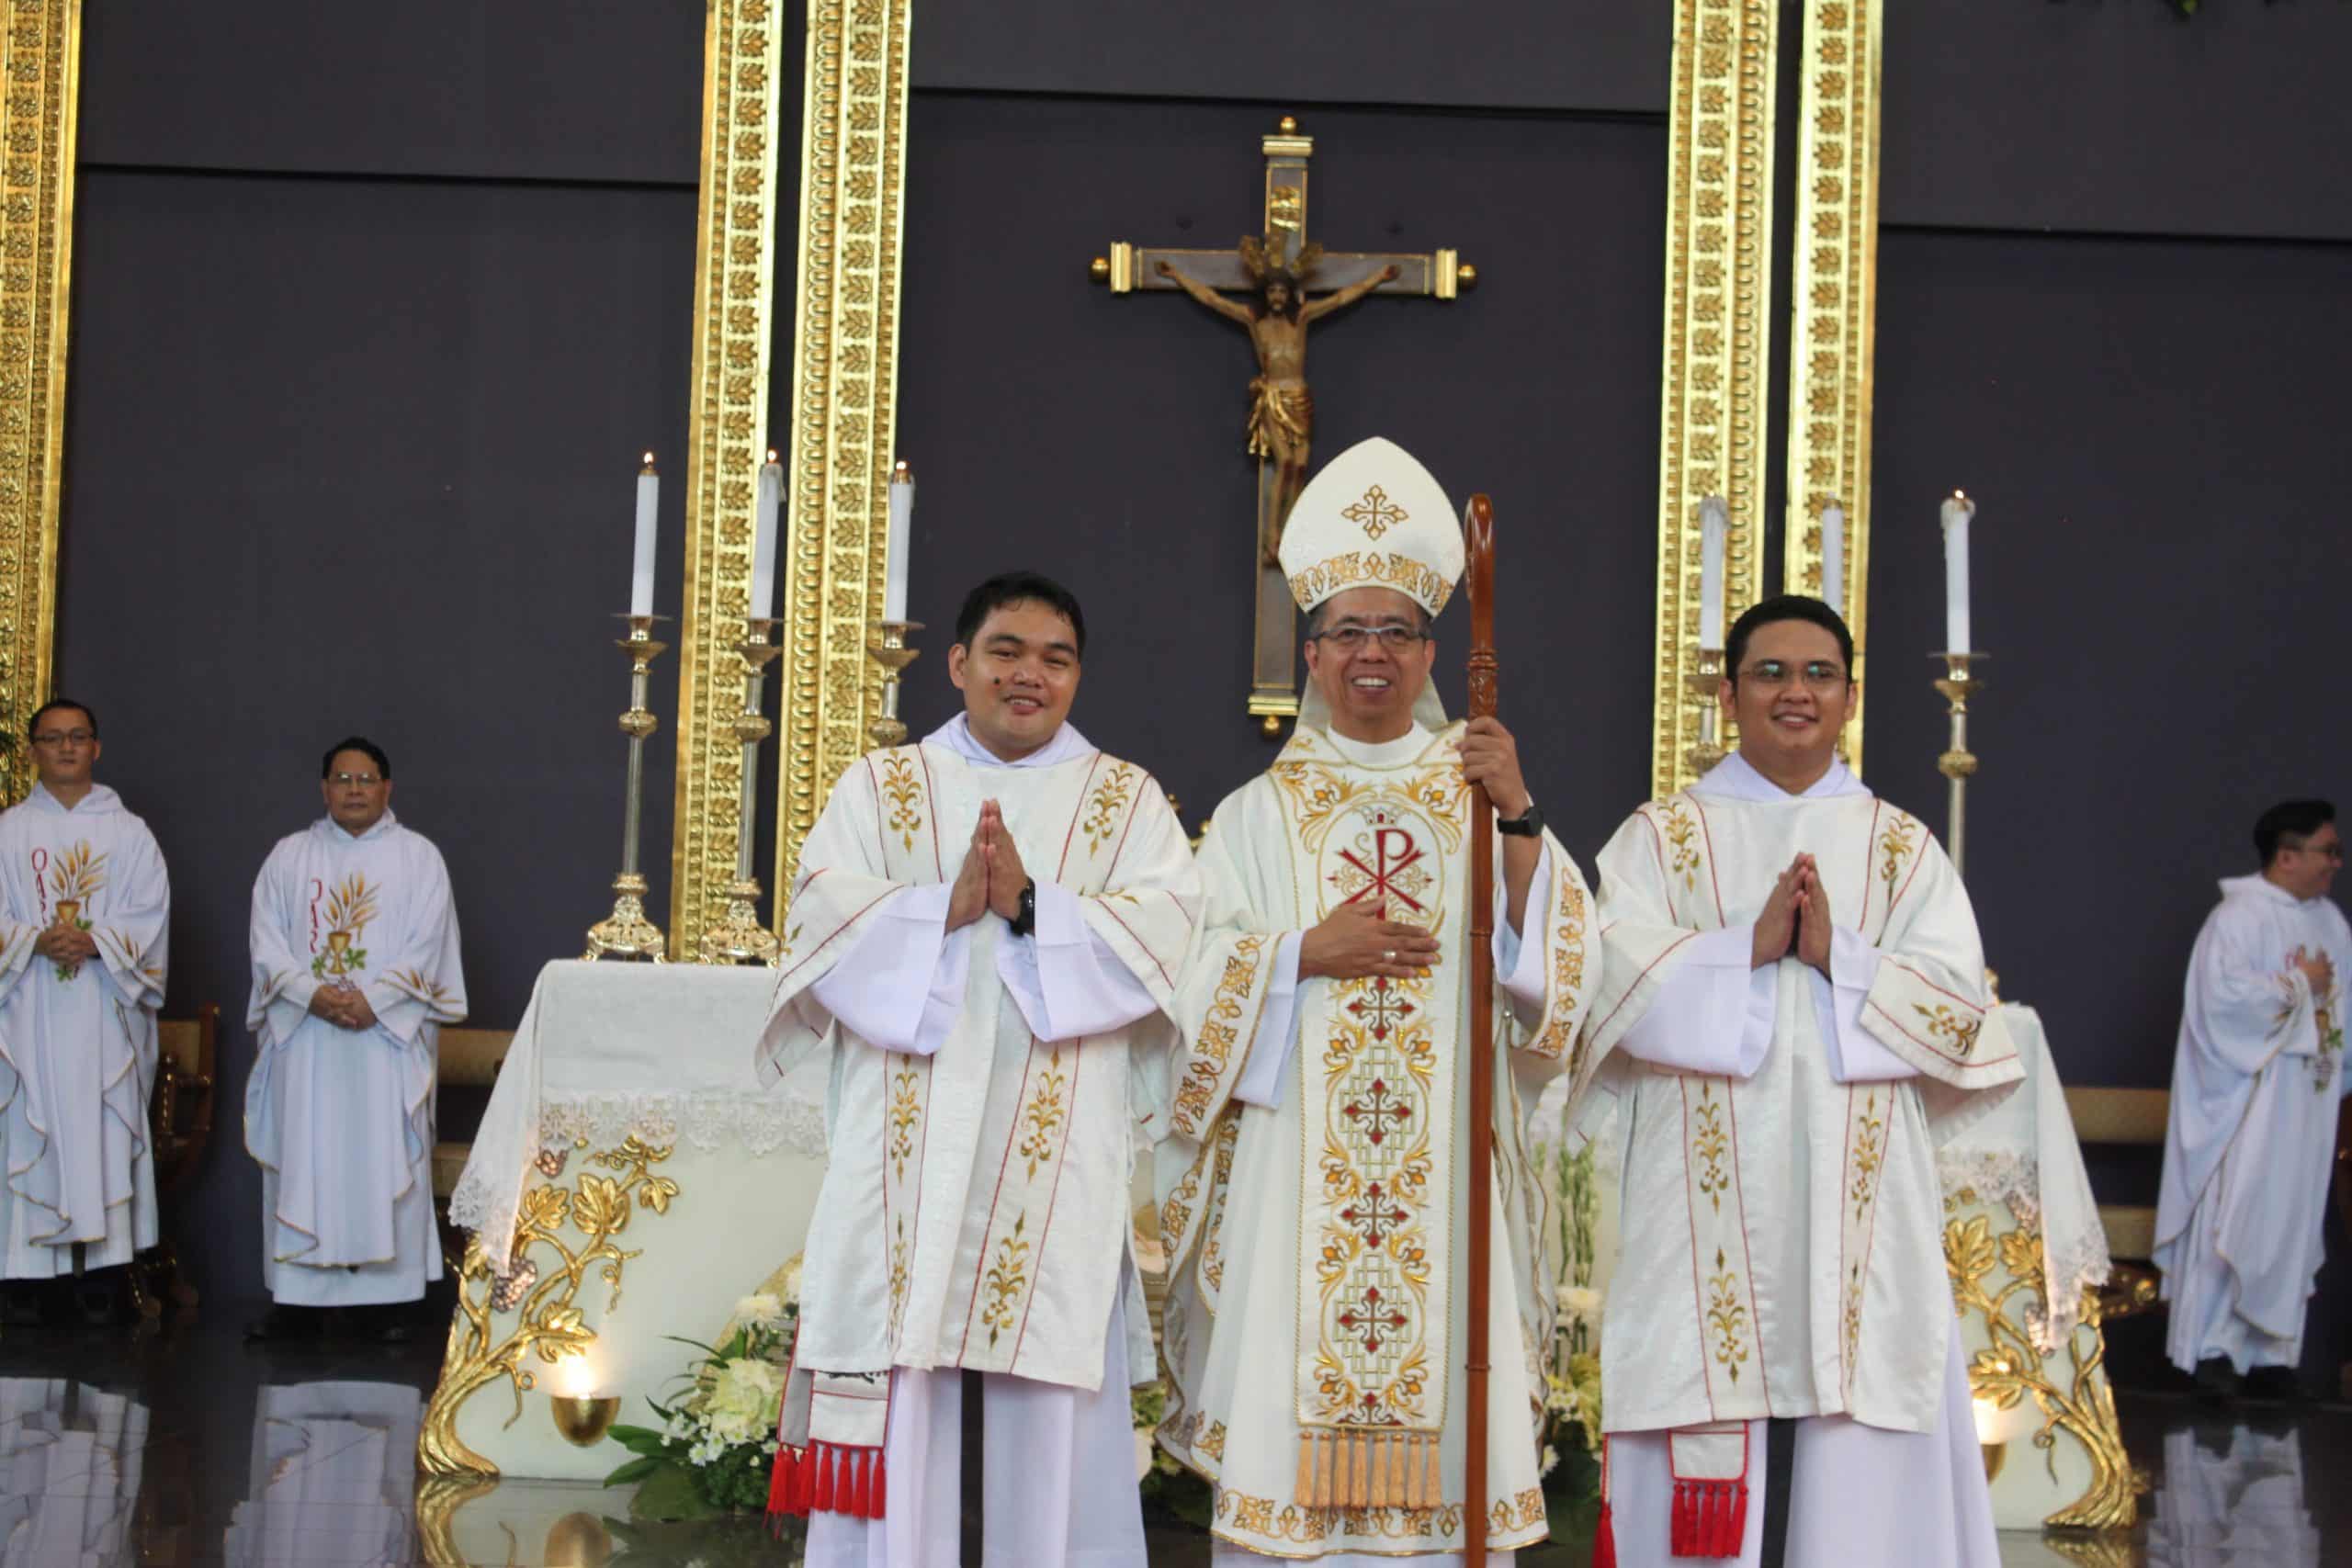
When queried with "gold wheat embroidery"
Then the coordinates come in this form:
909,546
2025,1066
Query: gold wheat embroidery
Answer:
1043,1114
1894,847
1102,814
904,791
1708,1144
1007,1281
1946,1023
1727,1315
906,1110
1870,1150
1683,832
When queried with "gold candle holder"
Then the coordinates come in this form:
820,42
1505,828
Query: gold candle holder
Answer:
737,937
1958,763
888,649
626,932
583,1418
1705,685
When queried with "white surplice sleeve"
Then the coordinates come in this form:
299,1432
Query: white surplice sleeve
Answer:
1712,1013
1518,966
1855,1055
1066,979
899,985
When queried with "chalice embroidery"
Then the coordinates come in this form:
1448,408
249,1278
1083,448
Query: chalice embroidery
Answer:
349,907
74,877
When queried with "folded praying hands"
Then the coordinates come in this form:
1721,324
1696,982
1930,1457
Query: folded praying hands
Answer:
1796,915
991,877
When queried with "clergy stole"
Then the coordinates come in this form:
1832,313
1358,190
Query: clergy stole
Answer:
1381,1065
1783,1251
974,1208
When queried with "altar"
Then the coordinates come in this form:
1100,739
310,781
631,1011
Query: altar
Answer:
631,1180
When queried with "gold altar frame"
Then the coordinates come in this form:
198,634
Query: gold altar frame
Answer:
41,61
1716,383
838,450
1721,257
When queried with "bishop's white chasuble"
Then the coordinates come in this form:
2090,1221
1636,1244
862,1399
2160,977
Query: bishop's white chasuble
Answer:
1316,1324
77,1040
342,1120
1782,1224
2251,1137
975,1209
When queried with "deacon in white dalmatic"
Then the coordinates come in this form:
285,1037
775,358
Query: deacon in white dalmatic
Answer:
1314,1195
985,936
1792,1018
2254,1085
354,957
83,910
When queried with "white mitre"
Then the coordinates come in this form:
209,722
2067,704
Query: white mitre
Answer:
1373,518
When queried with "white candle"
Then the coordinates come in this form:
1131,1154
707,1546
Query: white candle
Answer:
1957,511
1715,523
1833,557
902,521
640,576
770,497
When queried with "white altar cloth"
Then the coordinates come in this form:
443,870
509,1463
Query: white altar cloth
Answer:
662,1052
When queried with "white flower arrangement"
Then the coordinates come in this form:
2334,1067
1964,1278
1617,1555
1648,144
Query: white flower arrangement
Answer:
717,1443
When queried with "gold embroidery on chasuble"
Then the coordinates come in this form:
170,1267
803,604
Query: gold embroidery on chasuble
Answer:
1678,821
1561,1022
1869,1122
1216,1054
1378,1111
1107,807
901,786
1725,1302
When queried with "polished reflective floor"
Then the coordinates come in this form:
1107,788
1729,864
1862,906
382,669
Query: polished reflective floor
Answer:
189,1446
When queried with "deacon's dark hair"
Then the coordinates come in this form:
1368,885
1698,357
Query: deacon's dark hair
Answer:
1019,588
356,743
1786,607
32,725
2295,820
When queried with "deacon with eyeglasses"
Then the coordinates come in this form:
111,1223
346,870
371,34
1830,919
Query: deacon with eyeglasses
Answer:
1791,1015
85,907
355,971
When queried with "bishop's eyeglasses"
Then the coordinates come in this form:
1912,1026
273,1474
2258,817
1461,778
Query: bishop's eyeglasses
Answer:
1355,638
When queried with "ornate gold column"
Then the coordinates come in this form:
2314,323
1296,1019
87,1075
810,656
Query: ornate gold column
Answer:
837,455
1835,302
1718,343
844,401
39,84
725,429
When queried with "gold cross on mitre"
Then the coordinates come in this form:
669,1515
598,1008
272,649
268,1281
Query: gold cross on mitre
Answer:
1278,268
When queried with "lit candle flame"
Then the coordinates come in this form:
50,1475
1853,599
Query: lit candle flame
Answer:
578,1379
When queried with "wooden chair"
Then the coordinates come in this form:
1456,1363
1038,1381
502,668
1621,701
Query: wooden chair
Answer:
179,1124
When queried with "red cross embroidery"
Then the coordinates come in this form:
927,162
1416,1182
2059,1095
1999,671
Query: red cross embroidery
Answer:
1377,1113
1369,1319
1384,1009
1374,1216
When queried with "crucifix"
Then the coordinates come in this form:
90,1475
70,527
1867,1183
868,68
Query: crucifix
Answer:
1280,268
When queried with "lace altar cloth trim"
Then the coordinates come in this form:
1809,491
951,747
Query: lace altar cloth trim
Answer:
2073,1262
705,1122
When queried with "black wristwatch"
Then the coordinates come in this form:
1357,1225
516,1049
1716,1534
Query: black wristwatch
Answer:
1528,824
1025,923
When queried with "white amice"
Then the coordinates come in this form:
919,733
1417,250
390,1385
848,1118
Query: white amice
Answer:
2257,1078
77,1040
342,1120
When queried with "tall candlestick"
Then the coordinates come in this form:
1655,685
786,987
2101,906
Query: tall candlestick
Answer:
1956,514
902,521
640,576
1714,523
626,932
1833,557
764,507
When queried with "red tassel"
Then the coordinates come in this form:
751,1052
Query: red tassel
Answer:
880,1475
804,1482
824,1498
1736,1524
1679,1531
1604,1542
782,1481
860,1500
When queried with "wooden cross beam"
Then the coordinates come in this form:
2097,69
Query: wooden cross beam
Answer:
1282,420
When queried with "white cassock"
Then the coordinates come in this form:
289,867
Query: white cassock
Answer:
1312,1205
2251,1137
342,1121
1782,1226
77,1042
990,1095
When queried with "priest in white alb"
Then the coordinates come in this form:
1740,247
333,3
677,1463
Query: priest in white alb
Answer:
355,971
984,936
1315,1197
1792,1016
2251,1140
85,907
